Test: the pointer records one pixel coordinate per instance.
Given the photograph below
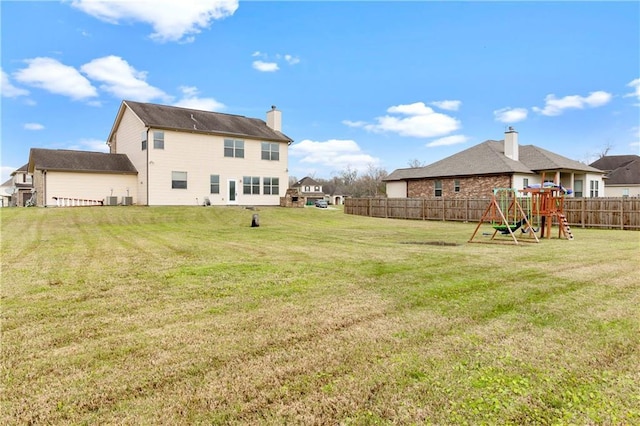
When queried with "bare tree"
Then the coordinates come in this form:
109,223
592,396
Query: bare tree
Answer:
416,163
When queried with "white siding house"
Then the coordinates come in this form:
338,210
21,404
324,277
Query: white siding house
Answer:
187,157
80,178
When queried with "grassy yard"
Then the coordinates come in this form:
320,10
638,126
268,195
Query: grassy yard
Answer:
134,315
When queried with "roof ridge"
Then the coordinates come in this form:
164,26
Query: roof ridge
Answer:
189,109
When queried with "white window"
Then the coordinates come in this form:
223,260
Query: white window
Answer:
270,186
270,151
233,148
214,181
158,140
438,188
251,185
593,188
179,180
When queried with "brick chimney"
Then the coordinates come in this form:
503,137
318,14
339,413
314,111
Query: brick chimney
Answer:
511,144
274,119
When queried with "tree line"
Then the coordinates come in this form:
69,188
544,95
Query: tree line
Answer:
352,183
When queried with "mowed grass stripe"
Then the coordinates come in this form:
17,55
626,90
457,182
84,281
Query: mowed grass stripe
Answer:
189,315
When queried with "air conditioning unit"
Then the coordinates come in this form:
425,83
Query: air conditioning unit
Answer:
111,201
127,201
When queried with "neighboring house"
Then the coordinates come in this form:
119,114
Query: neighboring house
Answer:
309,189
74,178
6,189
21,187
623,174
187,156
474,172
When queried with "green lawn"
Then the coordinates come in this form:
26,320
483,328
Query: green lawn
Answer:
134,315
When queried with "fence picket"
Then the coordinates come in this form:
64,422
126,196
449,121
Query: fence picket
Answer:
601,212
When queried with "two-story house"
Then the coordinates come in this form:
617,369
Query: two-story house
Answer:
186,156
18,189
310,189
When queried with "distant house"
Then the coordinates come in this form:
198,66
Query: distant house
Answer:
187,156
75,178
310,189
476,171
623,174
17,191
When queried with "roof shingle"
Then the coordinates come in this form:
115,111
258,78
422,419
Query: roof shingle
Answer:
487,158
79,161
193,120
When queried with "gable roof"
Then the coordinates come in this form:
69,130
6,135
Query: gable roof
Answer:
488,158
306,181
79,161
612,162
628,174
198,121
20,169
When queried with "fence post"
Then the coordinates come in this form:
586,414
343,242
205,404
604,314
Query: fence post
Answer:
582,212
622,213
370,208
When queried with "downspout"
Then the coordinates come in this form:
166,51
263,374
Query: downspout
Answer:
147,166
44,187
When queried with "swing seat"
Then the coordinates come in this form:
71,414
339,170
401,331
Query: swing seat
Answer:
505,229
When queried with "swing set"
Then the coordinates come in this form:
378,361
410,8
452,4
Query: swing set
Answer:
542,204
507,213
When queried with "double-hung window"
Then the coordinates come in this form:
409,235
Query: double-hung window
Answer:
270,151
251,185
270,186
234,148
179,180
438,188
456,185
158,140
215,184
593,188
143,138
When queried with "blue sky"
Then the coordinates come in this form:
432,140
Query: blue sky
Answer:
359,84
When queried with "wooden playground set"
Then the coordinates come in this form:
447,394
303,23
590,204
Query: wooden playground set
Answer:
533,212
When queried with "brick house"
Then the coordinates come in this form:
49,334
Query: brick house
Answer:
476,171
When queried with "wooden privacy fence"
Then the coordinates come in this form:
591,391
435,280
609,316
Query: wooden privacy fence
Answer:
618,213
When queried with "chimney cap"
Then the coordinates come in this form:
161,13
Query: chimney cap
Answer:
273,107
511,129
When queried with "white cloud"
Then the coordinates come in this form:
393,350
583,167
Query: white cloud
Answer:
554,106
122,80
265,66
635,84
33,126
190,99
8,89
55,77
334,154
354,123
448,140
171,20
98,145
291,60
422,122
510,115
447,105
